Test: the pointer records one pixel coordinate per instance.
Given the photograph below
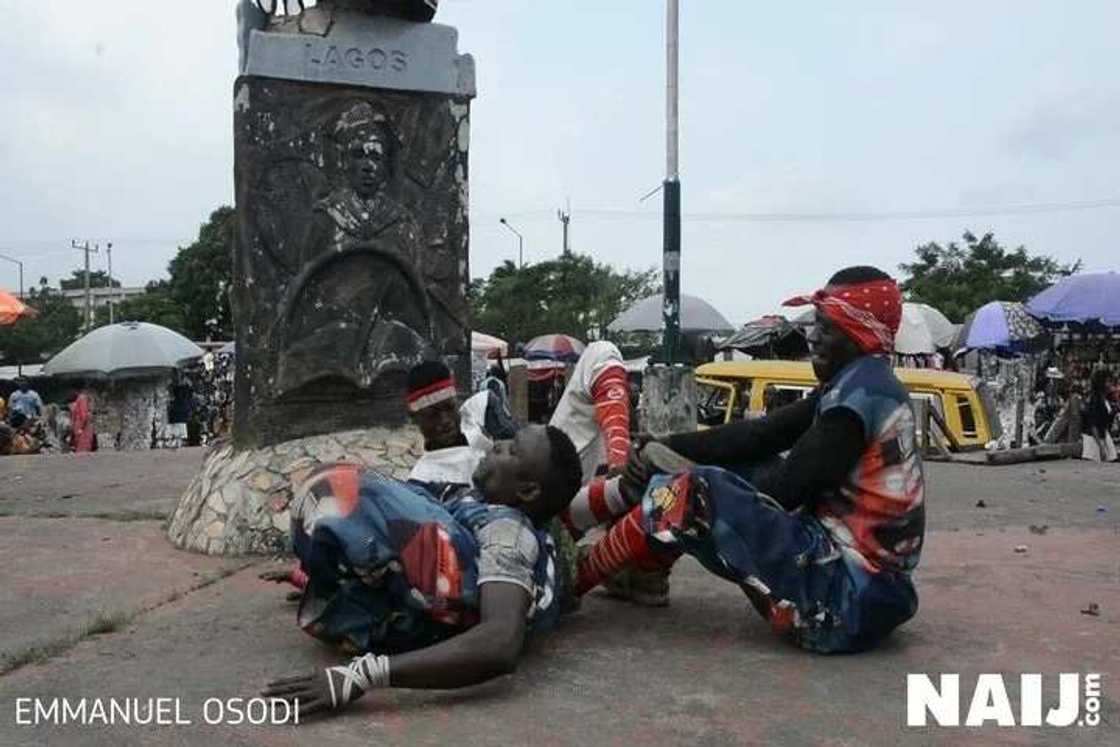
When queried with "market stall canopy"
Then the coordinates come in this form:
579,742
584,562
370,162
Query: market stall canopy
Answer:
773,336
1088,297
557,348
1000,326
485,345
697,315
125,350
12,309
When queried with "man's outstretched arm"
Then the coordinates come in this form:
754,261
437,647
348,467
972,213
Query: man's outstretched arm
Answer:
745,441
489,649
485,651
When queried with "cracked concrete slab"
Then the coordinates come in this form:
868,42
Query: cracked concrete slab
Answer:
61,574
107,484
705,670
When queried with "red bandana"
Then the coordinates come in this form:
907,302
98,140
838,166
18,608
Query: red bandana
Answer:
869,313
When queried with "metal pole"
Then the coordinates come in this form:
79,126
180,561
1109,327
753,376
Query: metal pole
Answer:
84,247
520,243
672,191
19,363
109,252
565,217
19,264
89,298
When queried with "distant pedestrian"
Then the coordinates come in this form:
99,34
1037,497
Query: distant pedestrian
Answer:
81,423
1099,413
25,401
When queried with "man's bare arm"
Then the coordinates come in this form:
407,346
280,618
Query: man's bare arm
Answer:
489,649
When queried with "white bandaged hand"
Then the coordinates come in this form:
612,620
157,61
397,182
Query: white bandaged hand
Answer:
348,683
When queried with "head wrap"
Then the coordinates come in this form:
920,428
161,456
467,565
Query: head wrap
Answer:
869,312
429,383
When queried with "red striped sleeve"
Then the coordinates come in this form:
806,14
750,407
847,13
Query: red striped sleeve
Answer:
611,395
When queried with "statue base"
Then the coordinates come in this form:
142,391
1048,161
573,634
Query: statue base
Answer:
238,504
669,397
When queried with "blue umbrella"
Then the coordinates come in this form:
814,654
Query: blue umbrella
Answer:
1089,297
1000,326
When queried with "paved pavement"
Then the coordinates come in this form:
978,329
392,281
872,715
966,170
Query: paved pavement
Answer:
703,671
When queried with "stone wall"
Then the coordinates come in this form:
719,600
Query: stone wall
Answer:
238,503
125,412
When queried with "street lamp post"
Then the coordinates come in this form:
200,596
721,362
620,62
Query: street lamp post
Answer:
17,262
520,242
19,363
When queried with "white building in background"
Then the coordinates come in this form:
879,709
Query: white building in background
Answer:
100,297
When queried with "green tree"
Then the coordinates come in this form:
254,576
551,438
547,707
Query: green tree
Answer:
77,280
959,279
201,276
571,295
155,306
36,339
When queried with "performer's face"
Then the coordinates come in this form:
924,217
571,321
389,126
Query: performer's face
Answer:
512,472
831,349
439,424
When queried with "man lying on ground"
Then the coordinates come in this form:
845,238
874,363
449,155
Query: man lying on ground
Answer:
430,594
824,540
448,462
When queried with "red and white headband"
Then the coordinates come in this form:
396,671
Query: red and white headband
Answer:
432,394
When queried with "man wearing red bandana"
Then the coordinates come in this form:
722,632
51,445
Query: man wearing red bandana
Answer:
823,540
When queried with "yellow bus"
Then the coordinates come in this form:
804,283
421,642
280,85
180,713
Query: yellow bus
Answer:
732,390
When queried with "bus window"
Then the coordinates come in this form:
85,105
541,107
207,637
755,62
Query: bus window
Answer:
968,420
712,402
780,395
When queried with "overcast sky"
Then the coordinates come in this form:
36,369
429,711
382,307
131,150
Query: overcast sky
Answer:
840,119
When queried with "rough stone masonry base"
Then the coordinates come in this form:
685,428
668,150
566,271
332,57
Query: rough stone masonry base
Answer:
238,503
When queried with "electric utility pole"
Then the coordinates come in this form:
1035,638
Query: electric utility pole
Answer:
565,217
671,257
109,254
85,247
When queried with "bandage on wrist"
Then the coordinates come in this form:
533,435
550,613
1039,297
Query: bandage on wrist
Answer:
363,673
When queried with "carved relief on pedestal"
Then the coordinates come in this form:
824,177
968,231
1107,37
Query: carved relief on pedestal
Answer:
352,245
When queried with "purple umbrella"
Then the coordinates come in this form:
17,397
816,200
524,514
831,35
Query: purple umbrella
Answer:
1089,297
1000,326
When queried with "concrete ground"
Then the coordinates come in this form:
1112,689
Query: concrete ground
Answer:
97,604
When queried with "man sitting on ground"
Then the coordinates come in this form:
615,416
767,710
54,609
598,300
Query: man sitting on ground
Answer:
824,540
431,595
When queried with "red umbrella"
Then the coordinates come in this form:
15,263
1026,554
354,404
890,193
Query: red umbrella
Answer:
12,309
560,348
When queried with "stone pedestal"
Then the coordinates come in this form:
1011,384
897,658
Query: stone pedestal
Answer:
668,402
351,135
238,503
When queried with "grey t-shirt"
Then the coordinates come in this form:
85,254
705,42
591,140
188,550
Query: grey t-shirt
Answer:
507,552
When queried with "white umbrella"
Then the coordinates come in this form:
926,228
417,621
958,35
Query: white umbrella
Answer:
124,350
941,329
696,314
913,336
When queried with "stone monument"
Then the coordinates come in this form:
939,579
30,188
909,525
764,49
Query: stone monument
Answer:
351,133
